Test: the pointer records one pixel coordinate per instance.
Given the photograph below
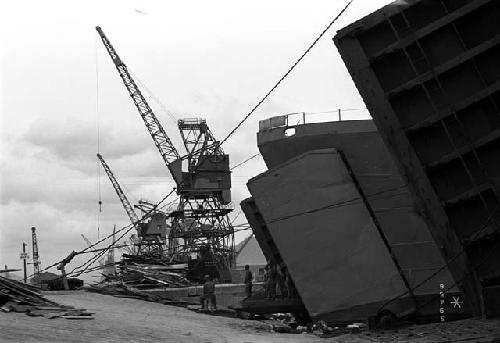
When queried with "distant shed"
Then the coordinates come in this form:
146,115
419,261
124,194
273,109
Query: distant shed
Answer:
249,252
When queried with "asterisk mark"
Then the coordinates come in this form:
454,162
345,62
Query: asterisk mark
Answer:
456,302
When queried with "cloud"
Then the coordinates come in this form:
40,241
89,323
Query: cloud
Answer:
74,142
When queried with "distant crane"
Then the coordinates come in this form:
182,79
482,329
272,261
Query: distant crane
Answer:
103,261
119,191
36,257
152,235
123,199
89,244
203,179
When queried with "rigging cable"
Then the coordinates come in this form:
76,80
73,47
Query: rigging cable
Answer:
245,161
285,75
154,97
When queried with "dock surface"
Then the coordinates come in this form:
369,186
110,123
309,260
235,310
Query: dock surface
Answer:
131,320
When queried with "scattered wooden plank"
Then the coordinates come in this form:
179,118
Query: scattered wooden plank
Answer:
77,317
59,308
23,298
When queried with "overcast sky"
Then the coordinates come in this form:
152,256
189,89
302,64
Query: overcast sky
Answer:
211,59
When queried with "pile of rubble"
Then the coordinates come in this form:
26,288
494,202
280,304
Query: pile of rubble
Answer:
18,297
285,323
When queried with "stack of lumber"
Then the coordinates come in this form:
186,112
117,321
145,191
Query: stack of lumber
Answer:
19,297
151,276
143,272
139,273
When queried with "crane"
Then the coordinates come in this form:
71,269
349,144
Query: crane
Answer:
36,261
89,244
203,183
206,160
119,191
151,235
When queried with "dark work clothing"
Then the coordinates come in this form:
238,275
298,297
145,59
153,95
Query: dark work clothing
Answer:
248,276
210,298
271,282
248,283
209,287
208,295
282,285
248,290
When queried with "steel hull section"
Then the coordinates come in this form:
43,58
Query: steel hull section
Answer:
404,227
325,234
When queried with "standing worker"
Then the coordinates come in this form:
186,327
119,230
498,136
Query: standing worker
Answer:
282,280
272,279
248,281
208,295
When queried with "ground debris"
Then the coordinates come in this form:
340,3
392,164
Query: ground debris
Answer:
19,297
137,273
146,272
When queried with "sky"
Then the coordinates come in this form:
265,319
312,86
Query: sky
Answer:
62,101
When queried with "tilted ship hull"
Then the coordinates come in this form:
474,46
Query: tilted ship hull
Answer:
335,210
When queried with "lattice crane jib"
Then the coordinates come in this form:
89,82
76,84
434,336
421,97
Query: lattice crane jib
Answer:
119,191
162,141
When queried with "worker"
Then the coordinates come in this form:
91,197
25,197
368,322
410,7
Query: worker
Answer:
282,272
208,296
266,280
271,281
248,281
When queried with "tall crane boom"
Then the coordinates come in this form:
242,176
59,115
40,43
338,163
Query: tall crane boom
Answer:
160,138
123,198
